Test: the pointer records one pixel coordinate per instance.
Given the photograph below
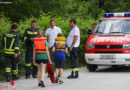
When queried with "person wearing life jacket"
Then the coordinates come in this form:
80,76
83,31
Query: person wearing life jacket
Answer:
11,53
41,56
60,48
28,36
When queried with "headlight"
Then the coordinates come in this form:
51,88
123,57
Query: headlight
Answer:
126,46
90,46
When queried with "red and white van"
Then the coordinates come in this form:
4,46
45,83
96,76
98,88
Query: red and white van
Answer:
109,44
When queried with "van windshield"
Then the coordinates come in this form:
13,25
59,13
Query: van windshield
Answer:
113,26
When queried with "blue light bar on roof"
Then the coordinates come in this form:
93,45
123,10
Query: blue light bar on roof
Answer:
108,15
116,15
127,15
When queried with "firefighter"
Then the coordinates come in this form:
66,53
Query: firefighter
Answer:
28,36
73,41
11,51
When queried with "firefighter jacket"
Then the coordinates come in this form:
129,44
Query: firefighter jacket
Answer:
11,43
29,33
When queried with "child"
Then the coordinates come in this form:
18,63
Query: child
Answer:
41,56
60,48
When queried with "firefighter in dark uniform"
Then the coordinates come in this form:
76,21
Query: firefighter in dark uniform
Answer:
29,34
11,51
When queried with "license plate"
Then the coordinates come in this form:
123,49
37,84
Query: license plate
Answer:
107,56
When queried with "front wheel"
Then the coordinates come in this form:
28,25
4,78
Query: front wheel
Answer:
91,68
114,66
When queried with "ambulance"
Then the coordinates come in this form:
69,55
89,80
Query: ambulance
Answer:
109,43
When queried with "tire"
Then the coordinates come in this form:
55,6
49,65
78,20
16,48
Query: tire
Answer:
114,66
91,68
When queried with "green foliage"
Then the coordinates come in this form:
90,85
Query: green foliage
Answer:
24,9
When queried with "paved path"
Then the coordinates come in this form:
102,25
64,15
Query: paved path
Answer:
106,78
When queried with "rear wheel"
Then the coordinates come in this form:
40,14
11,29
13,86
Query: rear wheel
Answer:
91,68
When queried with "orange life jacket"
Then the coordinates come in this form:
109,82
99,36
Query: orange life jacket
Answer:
40,45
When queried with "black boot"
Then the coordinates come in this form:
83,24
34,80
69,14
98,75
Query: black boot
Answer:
70,76
16,77
73,75
76,74
8,78
34,73
28,69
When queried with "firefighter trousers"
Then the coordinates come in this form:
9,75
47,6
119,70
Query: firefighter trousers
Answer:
74,58
29,61
11,65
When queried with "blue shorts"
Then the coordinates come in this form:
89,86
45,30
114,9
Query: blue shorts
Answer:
59,56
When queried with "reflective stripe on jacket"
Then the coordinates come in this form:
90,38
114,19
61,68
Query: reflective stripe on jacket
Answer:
29,33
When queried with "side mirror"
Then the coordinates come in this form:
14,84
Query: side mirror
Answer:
89,32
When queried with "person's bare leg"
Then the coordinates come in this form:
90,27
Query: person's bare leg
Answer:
61,73
43,71
57,72
39,73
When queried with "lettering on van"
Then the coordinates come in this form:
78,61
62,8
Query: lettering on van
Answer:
103,39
